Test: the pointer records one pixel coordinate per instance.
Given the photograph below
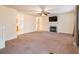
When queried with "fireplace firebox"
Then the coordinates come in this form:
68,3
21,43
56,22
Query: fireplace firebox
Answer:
53,29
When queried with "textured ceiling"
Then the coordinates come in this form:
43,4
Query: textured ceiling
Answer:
34,9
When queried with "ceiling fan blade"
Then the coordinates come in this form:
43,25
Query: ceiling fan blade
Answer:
48,12
39,14
32,11
42,7
51,9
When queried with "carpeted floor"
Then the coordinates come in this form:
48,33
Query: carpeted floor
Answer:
41,43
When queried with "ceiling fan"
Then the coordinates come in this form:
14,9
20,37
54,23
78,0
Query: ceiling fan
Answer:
44,11
40,10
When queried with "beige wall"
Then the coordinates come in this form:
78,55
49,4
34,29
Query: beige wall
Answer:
8,20
29,23
66,23
44,23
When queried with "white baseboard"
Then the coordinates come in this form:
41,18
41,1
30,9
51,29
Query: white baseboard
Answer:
3,46
11,38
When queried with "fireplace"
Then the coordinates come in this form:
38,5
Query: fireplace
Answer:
53,29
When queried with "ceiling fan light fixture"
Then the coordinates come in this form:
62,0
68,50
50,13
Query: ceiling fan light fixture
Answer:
43,14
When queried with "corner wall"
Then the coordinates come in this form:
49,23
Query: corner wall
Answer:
66,22
8,21
29,23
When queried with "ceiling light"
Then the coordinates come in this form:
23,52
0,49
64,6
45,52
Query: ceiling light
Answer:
43,14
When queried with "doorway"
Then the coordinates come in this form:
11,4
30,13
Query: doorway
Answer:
20,24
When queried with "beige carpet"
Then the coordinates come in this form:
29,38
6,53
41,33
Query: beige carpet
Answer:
41,43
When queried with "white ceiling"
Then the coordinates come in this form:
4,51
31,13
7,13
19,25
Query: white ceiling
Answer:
34,9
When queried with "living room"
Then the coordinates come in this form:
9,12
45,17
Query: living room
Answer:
17,20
